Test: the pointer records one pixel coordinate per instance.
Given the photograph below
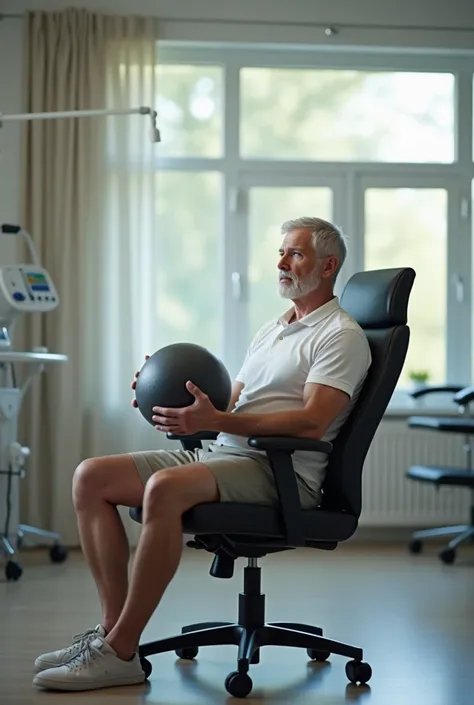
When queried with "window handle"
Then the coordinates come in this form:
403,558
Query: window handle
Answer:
237,285
459,284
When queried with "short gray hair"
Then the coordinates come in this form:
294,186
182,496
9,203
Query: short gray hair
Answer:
327,238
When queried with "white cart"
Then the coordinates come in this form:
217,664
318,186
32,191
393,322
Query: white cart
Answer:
13,456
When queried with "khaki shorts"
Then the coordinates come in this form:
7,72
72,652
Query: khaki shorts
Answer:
241,476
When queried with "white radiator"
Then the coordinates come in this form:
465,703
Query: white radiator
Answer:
390,499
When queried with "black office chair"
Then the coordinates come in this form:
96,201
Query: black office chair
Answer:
378,300
442,476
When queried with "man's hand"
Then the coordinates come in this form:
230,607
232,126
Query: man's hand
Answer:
134,385
202,415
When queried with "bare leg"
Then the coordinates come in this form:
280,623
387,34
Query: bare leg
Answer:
169,493
100,484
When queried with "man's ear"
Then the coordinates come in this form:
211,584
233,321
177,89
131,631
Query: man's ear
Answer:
330,266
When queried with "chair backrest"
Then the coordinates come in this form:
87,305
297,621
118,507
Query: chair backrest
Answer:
378,301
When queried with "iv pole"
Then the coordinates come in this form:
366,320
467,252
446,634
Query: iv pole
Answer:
143,110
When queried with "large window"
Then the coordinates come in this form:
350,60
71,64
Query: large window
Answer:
380,144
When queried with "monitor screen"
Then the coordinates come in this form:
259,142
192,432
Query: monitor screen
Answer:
37,281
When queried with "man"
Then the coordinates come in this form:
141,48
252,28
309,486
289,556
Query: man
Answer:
301,377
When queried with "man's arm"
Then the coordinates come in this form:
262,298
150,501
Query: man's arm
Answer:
332,379
322,405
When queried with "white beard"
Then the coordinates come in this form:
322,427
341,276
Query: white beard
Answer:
298,288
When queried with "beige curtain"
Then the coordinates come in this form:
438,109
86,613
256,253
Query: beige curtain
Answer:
88,202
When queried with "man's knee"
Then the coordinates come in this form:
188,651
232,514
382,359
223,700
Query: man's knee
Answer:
87,481
179,488
163,489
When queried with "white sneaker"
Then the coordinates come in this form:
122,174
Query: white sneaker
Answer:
57,658
96,666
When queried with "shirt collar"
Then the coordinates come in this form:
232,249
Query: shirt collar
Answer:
311,319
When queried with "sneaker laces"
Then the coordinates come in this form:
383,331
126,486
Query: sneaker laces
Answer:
84,658
80,641
84,636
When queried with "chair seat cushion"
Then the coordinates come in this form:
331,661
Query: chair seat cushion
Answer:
441,475
236,519
450,424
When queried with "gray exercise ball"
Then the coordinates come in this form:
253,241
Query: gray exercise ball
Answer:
162,379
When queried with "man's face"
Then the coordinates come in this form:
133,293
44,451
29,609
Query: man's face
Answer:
299,267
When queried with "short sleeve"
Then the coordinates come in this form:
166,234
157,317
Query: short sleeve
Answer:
342,362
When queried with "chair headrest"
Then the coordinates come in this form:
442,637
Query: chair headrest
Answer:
379,298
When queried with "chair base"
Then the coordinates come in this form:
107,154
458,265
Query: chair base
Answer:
447,554
249,634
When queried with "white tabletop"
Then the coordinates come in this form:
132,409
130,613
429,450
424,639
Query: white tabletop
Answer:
15,356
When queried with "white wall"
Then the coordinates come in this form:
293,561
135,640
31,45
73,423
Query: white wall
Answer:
10,102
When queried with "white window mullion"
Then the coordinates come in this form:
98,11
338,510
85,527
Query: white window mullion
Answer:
300,167
188,164
354,228
464,121
382,60
234,243
459,303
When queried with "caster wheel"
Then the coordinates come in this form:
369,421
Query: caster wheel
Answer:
187,654
238,684
358,672
13,571
58,554
146,666
447,555
318,655
415,546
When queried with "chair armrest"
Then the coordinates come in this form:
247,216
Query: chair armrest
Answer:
289,443
464,396
279,450
201,436
193,441
448,388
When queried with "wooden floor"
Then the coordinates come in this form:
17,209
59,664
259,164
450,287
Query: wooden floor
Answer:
412,615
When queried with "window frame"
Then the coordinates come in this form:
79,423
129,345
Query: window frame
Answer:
456,176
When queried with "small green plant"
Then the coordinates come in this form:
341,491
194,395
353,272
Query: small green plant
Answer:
419,376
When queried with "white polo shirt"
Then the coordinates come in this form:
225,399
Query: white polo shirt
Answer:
326,347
